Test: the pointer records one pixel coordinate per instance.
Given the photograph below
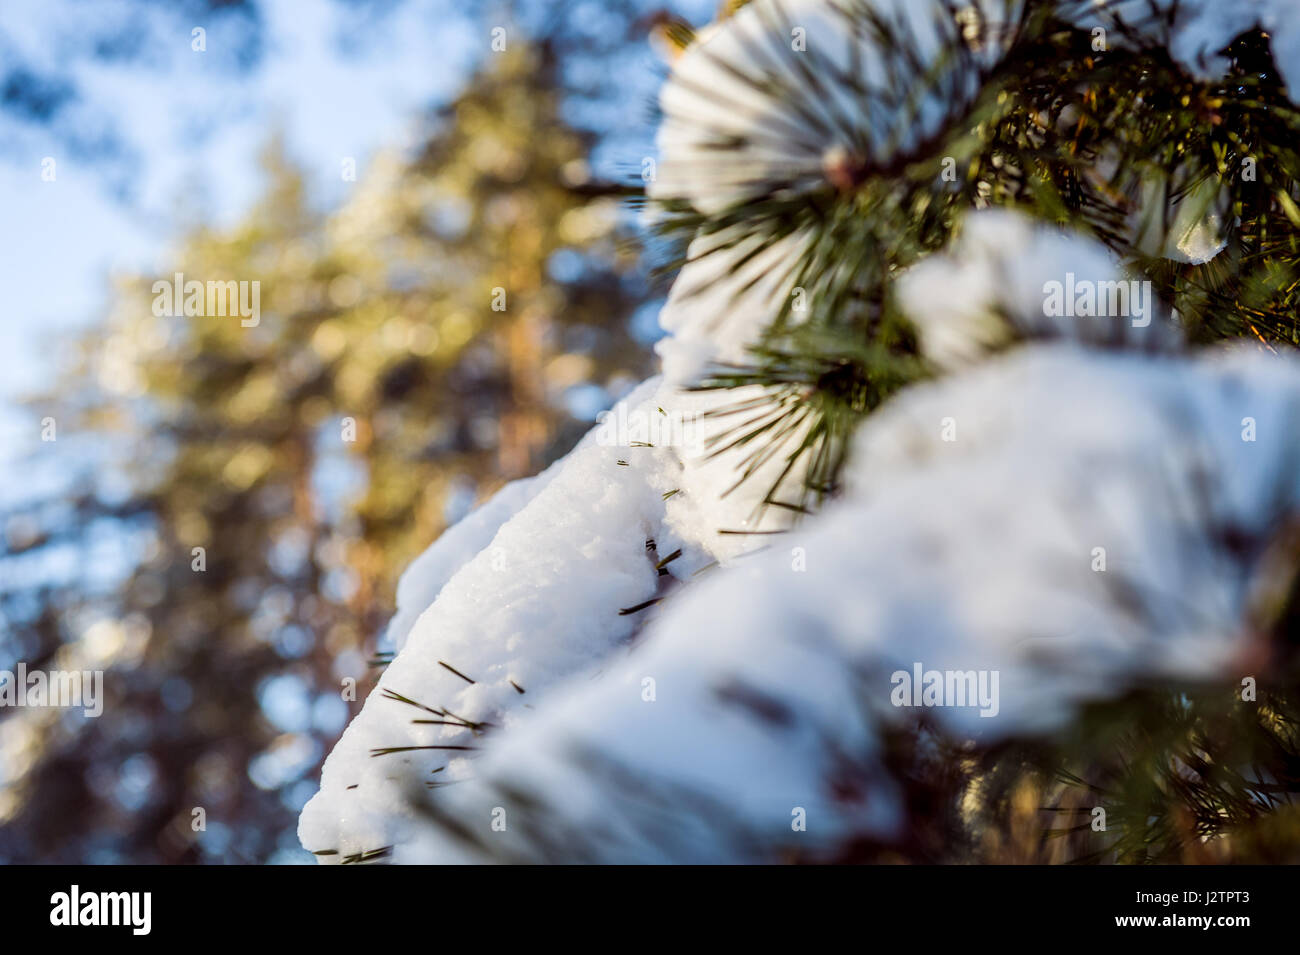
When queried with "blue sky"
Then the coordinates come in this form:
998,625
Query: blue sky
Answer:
193,128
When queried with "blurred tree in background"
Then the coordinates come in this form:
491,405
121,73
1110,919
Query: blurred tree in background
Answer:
271,482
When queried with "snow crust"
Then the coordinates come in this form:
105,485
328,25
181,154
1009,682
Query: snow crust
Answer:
527,590
771,682
991,288
725,137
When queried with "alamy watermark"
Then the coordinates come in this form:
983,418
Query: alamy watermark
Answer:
642,428
1086,298
213,299
66,689
133,910
922,687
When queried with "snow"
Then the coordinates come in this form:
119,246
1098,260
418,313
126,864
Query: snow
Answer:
771,682
770,676
1197,31
728,292
540,601
428,573
724,298
527,589
989,289
726,137
1199,230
